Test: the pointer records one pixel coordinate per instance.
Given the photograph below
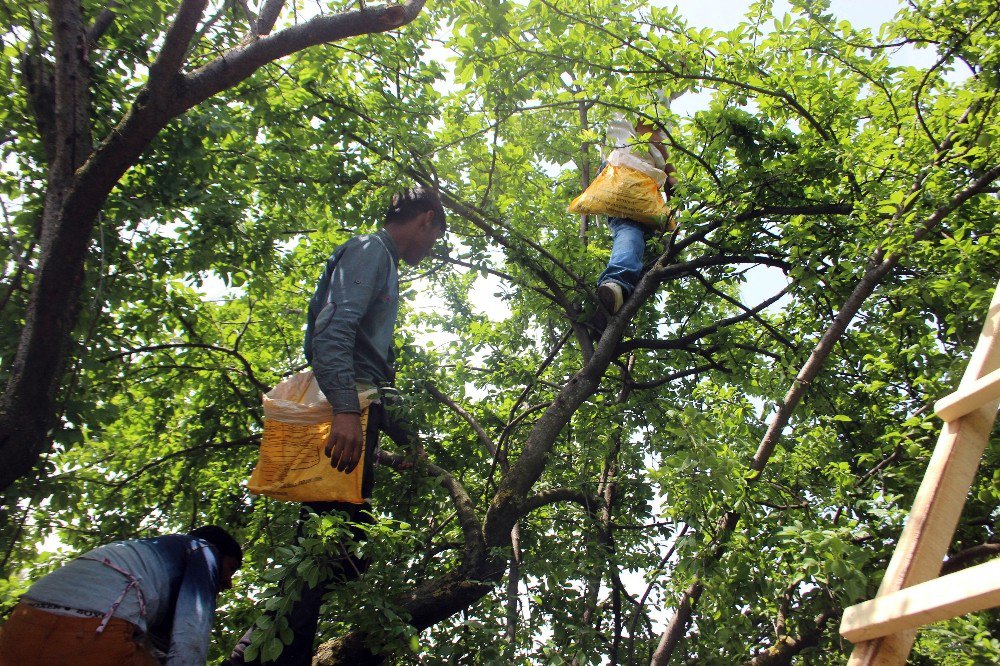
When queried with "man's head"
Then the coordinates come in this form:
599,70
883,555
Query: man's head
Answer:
645,126
228,549
415,219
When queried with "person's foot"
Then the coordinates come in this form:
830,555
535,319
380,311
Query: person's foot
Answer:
611,296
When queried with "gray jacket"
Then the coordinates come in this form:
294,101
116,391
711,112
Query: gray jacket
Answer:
352,316
176,579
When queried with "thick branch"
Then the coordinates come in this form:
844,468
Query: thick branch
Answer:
464,508
436,599
965,558
787,647
555,495
38,80
101,23
72,98
168,63
269,16
240,62
677,626
879,265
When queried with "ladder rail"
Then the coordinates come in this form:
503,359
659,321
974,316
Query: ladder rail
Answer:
941,497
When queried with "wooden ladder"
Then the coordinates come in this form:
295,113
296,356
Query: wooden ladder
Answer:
912,594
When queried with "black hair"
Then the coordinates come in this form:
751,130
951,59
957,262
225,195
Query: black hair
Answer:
407,204
221,539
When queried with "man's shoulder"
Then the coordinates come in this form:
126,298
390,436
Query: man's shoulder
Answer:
370,246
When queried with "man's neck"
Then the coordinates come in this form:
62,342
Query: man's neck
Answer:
399,239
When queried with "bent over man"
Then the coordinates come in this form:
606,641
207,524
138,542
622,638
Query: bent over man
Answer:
127,603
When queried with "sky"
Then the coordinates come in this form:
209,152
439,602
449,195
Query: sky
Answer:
725,14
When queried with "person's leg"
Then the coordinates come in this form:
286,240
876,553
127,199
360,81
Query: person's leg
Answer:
627,248
303,617
344,566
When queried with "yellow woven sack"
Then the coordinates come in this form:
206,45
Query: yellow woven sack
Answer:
293,466
621,191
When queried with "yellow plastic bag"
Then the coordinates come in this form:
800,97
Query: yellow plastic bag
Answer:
622,191
293,466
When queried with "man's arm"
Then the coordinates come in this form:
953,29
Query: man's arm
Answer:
354,284
195,607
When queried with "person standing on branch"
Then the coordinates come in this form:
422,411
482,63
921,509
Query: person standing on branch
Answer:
644,142
348,343
629,236
130,603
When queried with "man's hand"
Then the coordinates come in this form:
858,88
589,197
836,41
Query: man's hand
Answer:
346,442
415,454
671,181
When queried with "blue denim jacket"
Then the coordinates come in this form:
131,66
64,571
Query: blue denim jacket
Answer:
177,577
352,316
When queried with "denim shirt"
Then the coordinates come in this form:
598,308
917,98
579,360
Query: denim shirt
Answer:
177,576
352,316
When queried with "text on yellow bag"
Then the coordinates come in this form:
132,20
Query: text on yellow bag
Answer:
293,466
621,191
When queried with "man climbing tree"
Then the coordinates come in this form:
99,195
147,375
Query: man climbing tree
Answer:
86,157
348,342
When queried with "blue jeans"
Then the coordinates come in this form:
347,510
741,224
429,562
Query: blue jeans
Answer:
627,248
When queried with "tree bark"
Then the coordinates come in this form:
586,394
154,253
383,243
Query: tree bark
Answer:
787,648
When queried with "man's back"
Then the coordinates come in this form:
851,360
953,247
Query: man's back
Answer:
351,319
161,590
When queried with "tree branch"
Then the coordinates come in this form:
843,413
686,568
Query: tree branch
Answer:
72,99
101,23
240,62
879,265
674,376
262,387
484,438
729,299
475,547
689,339
554,495
251,19
165,69
965,558
268,16
787,647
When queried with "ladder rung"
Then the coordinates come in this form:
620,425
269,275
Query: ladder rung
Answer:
969,398
966,591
